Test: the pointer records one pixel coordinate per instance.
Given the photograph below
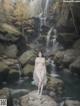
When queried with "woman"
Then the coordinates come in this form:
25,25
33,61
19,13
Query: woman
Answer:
39,74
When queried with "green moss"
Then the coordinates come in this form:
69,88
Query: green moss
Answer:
3,66
28,69
9,29
26,56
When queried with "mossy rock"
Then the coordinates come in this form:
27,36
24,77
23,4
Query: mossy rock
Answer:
3,66
11,51
56,85
28,69
27,56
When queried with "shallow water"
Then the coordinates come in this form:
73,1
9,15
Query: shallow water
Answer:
71,84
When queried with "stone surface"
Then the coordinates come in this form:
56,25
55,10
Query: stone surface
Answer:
66,57
75,66
71,103
28,69
77,44
26,56
55,85
11,51
33,99
2,49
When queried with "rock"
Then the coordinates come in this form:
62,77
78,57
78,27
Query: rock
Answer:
3,72
2,49
58,57
65,58
55,85
11,51
33,99
13,75
26,56
77,44
67,39
5,94
69,57
71,103
28,69
3,66
75,66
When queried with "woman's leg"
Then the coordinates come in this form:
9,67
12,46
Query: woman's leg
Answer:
39,87
41,90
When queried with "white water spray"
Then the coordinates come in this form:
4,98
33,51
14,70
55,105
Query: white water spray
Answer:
48,36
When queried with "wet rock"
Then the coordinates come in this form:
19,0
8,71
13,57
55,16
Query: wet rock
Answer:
58,57
11,51
65,58
75,66
71,103
5,94
77,44
13,75
69,57
28,69
67,39
4,69
55,85
33,99
26,56
2,49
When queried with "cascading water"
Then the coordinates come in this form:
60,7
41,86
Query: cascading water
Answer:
53,68
48,37
19,70
46,8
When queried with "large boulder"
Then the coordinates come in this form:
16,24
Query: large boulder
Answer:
75,66
65,58
33,99
6,94
71,103
67,39
11,51
58,57
69,57
28,69
77,44
55,85
3,71
27,56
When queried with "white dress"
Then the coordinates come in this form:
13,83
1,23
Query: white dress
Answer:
40,71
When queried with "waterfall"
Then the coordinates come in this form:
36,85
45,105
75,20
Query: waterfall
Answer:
38,7
18,65
48,36
54,41
53,72
19,70
46,8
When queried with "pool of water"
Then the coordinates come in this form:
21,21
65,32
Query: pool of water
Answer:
71,85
